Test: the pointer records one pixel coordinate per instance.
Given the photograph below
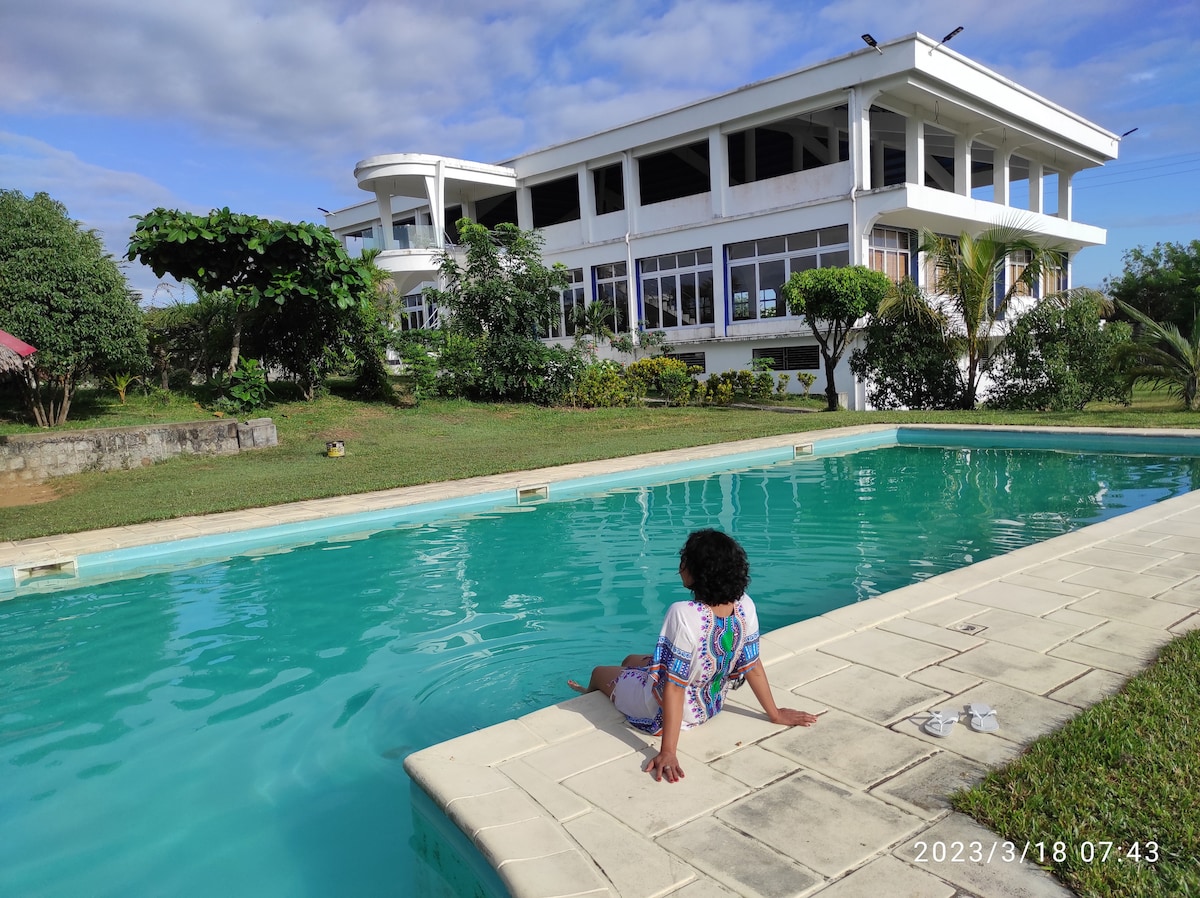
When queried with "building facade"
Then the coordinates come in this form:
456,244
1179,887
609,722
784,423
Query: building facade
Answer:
691,220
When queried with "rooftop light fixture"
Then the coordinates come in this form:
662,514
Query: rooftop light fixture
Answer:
1130,131
326,211
872,43
946,39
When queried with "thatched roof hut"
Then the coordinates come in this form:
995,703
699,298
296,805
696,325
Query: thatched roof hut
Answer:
13,353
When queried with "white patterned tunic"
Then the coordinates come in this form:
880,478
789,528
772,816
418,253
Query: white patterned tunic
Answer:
697,650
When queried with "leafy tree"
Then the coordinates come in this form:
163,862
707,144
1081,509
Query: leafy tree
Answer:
593,323
503,296
1163,356
909,357
1060,356
190,335
255,259
831,301
1162,283
63,294
968,268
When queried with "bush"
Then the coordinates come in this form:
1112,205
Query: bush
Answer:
1059,358
603,384
662,376
458,365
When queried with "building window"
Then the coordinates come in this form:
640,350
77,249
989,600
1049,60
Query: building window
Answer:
1055,276
611,284
1016,265
789,145
670,175
677,289
791,358
414,312
563,325
691,359
610,189
891,252
758,269
496,210
555,202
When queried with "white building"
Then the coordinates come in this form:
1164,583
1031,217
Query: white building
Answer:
692,219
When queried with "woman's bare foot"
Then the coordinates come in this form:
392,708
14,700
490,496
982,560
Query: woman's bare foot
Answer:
580,689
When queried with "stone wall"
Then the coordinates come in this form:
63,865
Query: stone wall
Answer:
38,456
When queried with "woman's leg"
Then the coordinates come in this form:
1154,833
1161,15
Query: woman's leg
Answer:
604,678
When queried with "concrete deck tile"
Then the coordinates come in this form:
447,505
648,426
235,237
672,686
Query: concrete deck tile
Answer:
1126,639
1089,689
848,749
591,749
825,827
1137,539
1186,593
637,868
566,875
755,766
917,595
1034,633
862,615
488,746
651,808
870,694
1189,544
1061,587
446,781
888,876
1157,613
524,840
996,878
1053,571
807,634
569,718
951,682
925,788
990,749
743,864
1017,667
741,722
1022,716
1115,662
1008,596
945,614
950,639
1074,618
1176,527
475,813
703,888
1186,626
889,652
803,667
561,803
1118,558
1146,585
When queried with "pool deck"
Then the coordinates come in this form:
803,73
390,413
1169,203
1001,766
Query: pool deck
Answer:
557,801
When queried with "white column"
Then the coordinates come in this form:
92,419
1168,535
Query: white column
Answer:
435,192
633,196
524,208
718,170
962,164
587,201
1000,184
914,149
860,138
1064,196
1035,186
384,201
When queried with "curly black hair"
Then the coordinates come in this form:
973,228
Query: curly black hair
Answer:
718,567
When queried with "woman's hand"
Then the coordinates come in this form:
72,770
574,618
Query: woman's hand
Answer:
665,764
791,718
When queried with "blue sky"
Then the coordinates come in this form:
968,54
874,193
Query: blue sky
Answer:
117,106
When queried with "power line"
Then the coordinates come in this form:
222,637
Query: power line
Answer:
1167,174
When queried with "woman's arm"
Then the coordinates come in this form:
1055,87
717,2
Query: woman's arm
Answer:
666,764
757,678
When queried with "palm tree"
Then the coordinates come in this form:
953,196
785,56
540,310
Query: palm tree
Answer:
594,322
1163,356
968,270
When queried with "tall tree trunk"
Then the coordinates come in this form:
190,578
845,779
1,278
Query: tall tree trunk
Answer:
236,348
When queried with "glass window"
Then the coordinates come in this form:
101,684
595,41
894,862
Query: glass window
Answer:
742,280
677,289
890,252
613,289
610,189
770,290
756,289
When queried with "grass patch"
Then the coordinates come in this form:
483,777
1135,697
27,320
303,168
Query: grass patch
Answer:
1125,770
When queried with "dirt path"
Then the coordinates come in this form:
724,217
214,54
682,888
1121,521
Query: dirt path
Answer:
12,494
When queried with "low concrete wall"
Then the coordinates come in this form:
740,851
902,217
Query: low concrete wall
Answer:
37,456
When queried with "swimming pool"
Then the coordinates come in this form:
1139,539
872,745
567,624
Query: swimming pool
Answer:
238,727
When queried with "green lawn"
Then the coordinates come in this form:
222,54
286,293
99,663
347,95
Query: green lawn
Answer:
1127,769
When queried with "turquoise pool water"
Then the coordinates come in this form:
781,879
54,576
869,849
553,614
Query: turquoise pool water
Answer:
237,728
